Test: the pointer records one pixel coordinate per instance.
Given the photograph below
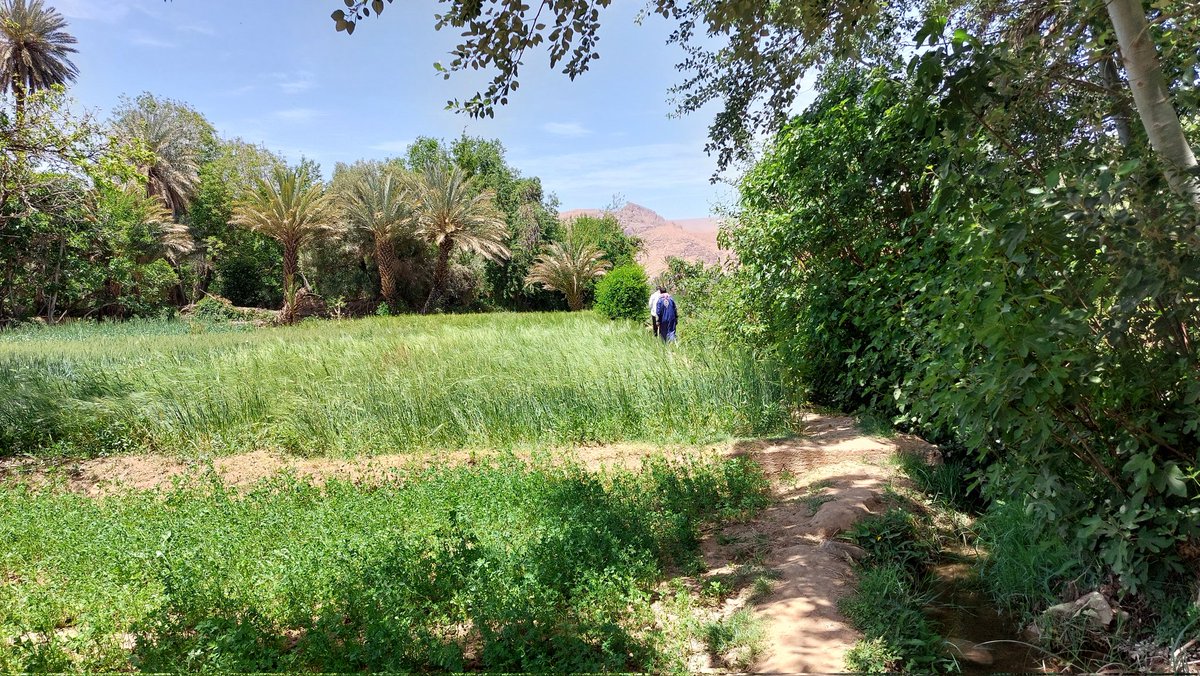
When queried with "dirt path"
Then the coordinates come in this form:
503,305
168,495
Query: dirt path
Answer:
824,481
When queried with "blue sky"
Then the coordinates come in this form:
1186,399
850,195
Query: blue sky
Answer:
275,72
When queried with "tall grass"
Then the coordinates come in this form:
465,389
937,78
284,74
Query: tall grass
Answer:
370,386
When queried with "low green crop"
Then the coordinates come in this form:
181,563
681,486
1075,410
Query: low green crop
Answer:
505,567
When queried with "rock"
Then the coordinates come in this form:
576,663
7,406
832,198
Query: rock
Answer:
969,652
843,549
1032,632
848,508
1093,607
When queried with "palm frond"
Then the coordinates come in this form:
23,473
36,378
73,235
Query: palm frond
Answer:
289,205
35,48
567,267
451,207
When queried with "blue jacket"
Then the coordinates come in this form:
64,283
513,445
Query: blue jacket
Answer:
667,314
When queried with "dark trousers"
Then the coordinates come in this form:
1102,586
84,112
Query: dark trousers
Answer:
654,325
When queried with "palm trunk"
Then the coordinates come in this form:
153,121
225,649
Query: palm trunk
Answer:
291,257
440,271
1152,98
385,259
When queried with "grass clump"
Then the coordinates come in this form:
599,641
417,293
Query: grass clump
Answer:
1025,567
737,640
375,385
887,606
505,567
872,656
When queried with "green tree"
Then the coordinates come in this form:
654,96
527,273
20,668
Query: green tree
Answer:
380,204
569,267
291,206
452,213
35,49
606,232
624,293
174,137
239,264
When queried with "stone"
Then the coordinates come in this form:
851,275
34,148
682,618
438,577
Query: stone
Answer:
1093,607
846,509
845,550
969,651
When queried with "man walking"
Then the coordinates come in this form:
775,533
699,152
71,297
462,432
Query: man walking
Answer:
668,316
654,309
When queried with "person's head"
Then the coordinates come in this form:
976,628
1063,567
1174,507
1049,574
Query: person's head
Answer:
662,289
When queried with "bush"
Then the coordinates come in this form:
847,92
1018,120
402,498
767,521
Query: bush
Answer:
1044,320
624,293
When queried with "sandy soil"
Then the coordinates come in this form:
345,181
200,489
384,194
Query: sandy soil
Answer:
824,481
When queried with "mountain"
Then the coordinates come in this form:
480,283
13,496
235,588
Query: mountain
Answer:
693,239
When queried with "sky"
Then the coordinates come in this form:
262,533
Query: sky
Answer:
275,72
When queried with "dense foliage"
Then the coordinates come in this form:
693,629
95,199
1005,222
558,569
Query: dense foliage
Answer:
624,293
507,568
1026,288
137,217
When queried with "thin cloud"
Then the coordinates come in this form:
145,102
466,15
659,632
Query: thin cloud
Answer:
589,178
90,10
143,40
392,146
572,129
298,114
295,83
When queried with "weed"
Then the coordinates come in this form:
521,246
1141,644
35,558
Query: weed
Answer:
737,640
1025,566
872,656
762,589
893,538
528,569
887,608
951,484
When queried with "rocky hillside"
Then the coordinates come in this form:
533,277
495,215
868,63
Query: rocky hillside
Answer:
692,239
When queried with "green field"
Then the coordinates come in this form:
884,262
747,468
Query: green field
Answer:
505,567
370,386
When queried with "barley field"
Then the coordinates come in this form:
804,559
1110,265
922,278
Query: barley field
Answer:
369,386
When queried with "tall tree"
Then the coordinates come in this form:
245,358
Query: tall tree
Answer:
380,205
35,49
453,214
1152,97
292,207
173,137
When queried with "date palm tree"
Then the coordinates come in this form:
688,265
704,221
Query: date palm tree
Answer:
35,49
291,207
171,136
380,205
567,267
452,213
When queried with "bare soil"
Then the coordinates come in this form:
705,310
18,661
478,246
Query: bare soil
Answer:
824,481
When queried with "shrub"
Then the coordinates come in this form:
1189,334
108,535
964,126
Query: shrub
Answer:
738,640
623,293
1044,319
